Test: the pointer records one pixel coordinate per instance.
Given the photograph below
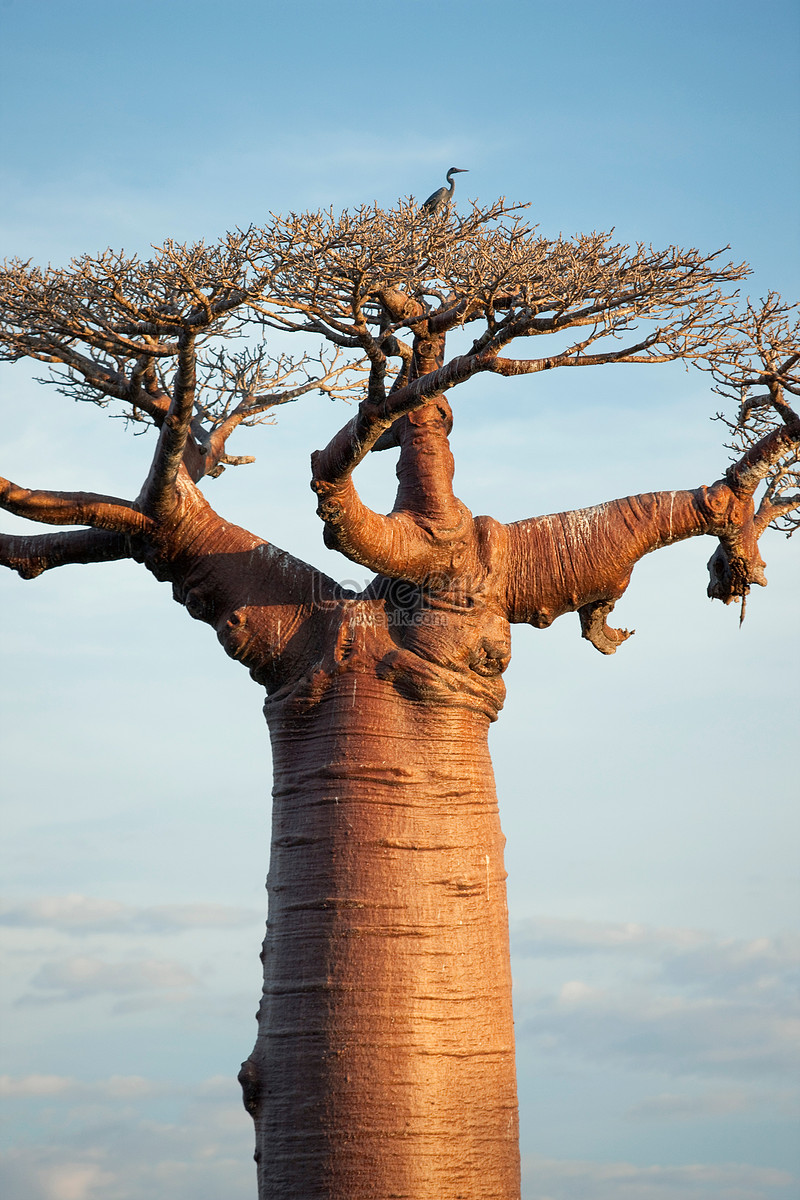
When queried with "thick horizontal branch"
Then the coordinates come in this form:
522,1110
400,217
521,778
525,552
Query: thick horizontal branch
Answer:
72,508
582,560
30,555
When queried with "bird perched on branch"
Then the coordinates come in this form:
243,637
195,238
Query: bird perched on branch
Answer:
442,196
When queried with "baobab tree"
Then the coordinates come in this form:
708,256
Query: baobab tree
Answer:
384,1062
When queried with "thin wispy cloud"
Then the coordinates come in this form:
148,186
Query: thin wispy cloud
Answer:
203,1164
82,976
204,1154
677,1001
673,1106
116,1087
671,1034
681,958
79,914
554,936
551,1179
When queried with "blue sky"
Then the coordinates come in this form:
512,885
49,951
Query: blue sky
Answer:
649,799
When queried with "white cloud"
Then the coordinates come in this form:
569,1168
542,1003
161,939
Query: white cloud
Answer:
674,1000
35,1085
674,1034
551,1179
204,1161
760,968
116,1087
575,991
79,914
25,1176
555,936
677,1107
205,1155
74,1181
82,975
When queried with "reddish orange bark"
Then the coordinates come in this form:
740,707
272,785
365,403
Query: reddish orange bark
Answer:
384,1063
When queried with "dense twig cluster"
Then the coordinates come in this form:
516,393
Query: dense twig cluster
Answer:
757,373
111,325
379,291
361,279
113,328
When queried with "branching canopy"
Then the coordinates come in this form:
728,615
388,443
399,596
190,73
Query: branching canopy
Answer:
112,325
180,341
756,375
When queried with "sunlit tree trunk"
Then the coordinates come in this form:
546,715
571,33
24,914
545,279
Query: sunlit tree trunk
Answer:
384,1065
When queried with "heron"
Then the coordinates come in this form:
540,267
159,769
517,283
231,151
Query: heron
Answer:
442,196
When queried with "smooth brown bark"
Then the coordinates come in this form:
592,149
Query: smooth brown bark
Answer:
384,1065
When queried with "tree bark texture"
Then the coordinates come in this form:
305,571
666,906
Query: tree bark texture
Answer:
384,1063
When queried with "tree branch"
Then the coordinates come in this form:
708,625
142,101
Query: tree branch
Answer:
582,561
73,508
159,490
30,555
395,545
745,475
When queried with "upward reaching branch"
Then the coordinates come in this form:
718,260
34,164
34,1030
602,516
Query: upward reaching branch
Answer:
159,491
758,371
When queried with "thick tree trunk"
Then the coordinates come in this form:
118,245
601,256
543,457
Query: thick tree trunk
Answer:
384,1065
384,1061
